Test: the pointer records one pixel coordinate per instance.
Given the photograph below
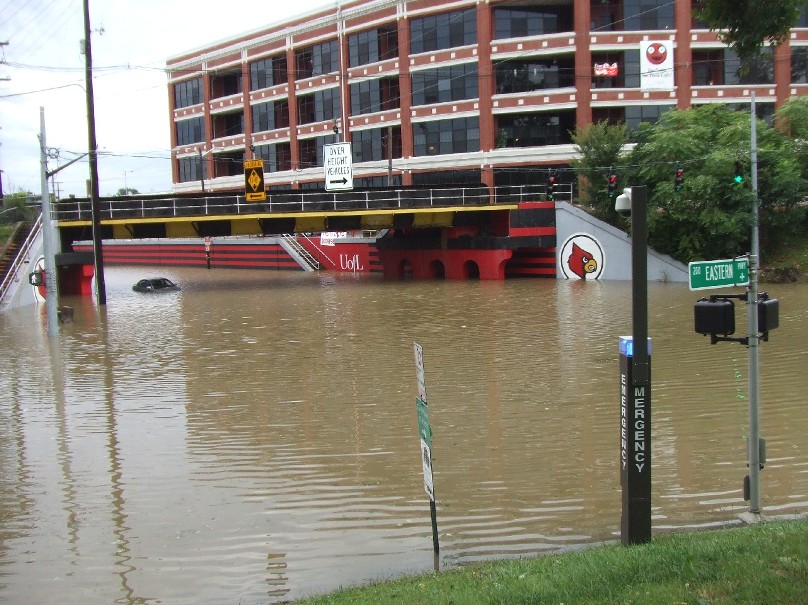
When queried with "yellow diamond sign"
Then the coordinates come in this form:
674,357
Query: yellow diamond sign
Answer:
254,180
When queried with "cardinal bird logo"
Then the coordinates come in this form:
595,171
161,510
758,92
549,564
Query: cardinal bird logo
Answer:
656,53
581,262
581,257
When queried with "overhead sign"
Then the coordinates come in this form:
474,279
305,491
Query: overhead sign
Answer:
254,181
656,65
722,273
338,166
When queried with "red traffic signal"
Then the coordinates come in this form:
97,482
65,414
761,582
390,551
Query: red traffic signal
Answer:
612,185
552,182
679,179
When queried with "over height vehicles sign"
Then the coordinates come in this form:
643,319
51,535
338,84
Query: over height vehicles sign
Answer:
338,166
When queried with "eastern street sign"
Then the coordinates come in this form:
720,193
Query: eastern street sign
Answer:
338,166
721,273
254,181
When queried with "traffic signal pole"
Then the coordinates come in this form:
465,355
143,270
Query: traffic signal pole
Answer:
754,443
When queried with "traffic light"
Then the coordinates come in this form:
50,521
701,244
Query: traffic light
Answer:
738,173
679,179
612,186
552,181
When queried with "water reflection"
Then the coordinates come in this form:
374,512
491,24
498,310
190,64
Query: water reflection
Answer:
253,437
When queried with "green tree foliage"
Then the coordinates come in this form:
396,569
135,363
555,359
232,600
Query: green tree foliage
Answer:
18,207
710,216
748,24
123,192
600,146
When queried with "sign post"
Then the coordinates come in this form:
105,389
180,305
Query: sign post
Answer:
338,166
723,273
425,432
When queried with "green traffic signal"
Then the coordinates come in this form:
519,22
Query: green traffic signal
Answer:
738,173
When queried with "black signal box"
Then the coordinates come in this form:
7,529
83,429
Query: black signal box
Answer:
768,314
715,316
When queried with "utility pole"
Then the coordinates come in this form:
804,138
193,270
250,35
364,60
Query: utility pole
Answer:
48,248
95,207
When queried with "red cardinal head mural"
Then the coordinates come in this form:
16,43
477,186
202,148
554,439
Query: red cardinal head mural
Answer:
656,53
581,262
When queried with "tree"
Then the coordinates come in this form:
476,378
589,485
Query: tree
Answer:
123,192
600,146
746,25
710,216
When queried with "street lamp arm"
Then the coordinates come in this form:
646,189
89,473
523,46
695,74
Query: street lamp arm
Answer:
50,173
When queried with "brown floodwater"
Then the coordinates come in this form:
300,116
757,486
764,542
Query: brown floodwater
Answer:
253,438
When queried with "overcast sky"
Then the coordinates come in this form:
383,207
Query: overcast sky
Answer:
131,41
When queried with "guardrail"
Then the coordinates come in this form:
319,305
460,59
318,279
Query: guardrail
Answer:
167,206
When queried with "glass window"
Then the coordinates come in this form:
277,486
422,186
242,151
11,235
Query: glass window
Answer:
445,84
188,93
270,115
531,21
628,69
311,151
373,45
318,106
446,30
799,64
641,15
535,129
371,96
268,72
317,60
371,145
515,76
637,114
447,177
277,157
190,131
228,124
440,137
759,70
192,169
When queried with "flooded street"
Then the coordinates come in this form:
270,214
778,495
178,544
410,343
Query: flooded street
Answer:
253,437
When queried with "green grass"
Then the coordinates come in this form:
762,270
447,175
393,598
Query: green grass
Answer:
793,253
760,564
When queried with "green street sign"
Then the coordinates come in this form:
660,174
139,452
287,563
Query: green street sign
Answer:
722,273
424,429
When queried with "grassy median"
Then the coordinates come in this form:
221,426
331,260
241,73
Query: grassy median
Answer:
765,563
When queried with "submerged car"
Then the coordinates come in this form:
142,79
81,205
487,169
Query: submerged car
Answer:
155,284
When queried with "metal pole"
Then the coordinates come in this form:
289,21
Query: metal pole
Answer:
101,290
51,285
754,341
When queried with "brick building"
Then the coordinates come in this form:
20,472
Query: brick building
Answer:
447,91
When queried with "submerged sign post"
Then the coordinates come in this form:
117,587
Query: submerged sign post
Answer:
425,432
338,166
723,273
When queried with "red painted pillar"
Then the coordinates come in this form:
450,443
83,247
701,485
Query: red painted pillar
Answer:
405,94
683,56
583,66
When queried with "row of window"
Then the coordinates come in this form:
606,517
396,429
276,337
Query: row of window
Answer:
459,135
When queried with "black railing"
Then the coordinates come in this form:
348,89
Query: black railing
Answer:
285,202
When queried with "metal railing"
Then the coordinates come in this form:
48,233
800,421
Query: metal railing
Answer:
170,206
22,256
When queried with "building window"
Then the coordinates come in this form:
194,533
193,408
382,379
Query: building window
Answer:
516,76
605,15
447,30
535,129
228,124
371,96
708,67
317,60
628,69
190,131
440,137
268,72
640,15
277,157
759,70
799,65
373,45
192,169
225,84
319,106
270,115
228,164
188,93
649,114
372,145
531,21
311,151
448,177
445,84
